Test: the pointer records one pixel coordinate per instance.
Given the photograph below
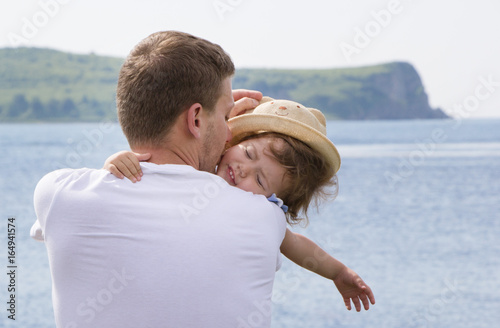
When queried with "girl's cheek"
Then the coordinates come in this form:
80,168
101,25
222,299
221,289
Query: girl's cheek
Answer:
248,186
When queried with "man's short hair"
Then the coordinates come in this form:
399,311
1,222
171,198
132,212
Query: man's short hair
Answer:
164,75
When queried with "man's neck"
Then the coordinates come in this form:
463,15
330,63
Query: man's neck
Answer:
168,155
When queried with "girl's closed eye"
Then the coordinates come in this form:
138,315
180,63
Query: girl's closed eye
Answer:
250,152
259,181
247,153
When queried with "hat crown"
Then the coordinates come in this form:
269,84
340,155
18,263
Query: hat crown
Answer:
293,111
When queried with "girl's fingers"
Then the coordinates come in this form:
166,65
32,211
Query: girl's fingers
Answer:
347,302
143,157
113,170
357,303
134,167
125,170
366,303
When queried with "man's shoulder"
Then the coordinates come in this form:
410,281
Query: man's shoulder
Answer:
255,213
252,204
48,191
63,179
62,175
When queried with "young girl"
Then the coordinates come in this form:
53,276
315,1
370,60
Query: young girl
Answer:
280,149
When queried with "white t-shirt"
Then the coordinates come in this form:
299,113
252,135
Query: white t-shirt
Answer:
181,248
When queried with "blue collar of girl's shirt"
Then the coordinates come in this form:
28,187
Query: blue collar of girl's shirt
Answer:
277,201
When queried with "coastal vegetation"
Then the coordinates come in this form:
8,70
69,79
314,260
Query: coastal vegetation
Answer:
40,85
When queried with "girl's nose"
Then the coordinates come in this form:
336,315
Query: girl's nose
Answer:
242,171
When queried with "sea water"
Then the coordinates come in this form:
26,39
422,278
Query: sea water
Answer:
417,217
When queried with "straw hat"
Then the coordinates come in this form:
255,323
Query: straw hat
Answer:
289,118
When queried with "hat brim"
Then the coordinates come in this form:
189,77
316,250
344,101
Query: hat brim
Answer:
246,124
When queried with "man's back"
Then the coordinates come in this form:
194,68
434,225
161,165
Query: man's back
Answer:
181,248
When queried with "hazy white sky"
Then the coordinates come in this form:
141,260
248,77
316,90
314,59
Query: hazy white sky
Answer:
453,44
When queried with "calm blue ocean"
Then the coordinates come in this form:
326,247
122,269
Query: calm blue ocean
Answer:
417,216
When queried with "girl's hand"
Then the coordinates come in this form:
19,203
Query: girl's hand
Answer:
244,100
353,288
126,164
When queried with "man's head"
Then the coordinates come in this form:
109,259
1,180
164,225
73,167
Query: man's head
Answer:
163,76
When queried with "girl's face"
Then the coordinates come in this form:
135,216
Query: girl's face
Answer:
251,166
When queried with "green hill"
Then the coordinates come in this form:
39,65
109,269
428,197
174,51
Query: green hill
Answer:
49,85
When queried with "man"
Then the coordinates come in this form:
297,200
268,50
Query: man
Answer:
182,248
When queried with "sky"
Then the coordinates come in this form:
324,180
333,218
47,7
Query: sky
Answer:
453,44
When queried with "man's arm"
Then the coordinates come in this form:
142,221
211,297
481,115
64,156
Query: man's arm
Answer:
42,198
308,255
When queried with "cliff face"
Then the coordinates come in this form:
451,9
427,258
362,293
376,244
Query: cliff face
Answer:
389,91
401,93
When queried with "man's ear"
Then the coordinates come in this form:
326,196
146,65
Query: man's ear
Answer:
194,119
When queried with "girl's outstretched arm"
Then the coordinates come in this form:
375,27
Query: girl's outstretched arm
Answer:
309,255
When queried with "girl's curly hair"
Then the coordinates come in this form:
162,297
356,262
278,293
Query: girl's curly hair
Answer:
309,176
